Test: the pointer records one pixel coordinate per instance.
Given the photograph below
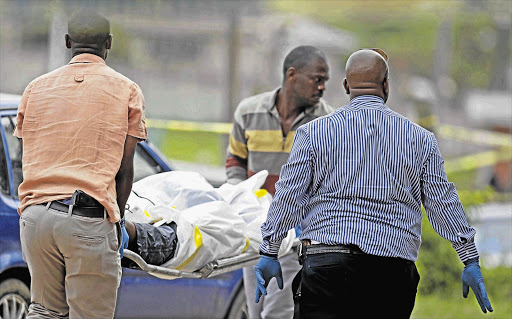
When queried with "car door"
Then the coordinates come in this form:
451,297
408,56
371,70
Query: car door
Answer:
10,178
140,295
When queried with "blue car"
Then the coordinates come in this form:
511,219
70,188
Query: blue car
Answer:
140,295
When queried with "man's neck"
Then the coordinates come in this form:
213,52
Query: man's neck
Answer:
287,106
82,50
356,93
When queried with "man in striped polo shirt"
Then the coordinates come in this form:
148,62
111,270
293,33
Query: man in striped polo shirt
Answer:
263,130
357,178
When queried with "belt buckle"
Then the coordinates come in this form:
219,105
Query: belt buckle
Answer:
301,252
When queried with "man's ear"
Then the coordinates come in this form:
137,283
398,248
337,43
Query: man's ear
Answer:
385,86
108,43
290,73
68,41
345,85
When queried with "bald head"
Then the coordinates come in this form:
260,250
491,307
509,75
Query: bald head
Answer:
88,32
366,74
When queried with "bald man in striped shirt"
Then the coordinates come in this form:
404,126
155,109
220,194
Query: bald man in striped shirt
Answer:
357,179
263,131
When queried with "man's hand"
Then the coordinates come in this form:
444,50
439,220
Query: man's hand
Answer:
124,238
472,277
267,268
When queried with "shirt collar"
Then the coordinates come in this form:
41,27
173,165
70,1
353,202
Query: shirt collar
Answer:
367,101
270,104
86,58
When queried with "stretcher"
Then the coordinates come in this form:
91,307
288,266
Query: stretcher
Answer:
213,268
233,213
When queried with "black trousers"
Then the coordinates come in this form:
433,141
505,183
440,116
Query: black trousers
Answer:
339,285
156,245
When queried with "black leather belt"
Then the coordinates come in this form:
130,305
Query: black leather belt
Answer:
306,248
92,212
322,249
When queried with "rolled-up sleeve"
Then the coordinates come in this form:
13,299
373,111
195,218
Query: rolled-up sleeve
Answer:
286,210
136,116
443,207
18,131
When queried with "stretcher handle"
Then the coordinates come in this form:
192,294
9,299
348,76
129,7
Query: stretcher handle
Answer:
161,272
224,265
213,268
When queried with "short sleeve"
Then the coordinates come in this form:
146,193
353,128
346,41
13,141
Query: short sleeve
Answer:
237,153
136,117
18,131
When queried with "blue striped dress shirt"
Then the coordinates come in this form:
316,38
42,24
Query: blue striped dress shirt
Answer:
359,176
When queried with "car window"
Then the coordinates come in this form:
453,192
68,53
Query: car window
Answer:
14,147
4,176
144,165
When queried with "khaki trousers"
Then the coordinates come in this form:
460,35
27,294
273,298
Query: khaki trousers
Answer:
73,261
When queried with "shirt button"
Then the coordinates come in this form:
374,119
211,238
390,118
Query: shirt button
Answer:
79,77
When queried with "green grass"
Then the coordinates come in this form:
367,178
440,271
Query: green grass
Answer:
456,307
447,302
199,147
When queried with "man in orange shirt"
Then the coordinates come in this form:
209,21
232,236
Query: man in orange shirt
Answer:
79,125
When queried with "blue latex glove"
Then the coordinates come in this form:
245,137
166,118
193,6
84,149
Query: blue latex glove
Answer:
472,277
124,238
298,230
266,269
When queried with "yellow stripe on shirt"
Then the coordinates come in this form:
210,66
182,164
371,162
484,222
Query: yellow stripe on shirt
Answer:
237,148
269,141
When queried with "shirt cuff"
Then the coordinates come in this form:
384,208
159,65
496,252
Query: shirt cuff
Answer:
17,132
269,247
141,134
466,251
